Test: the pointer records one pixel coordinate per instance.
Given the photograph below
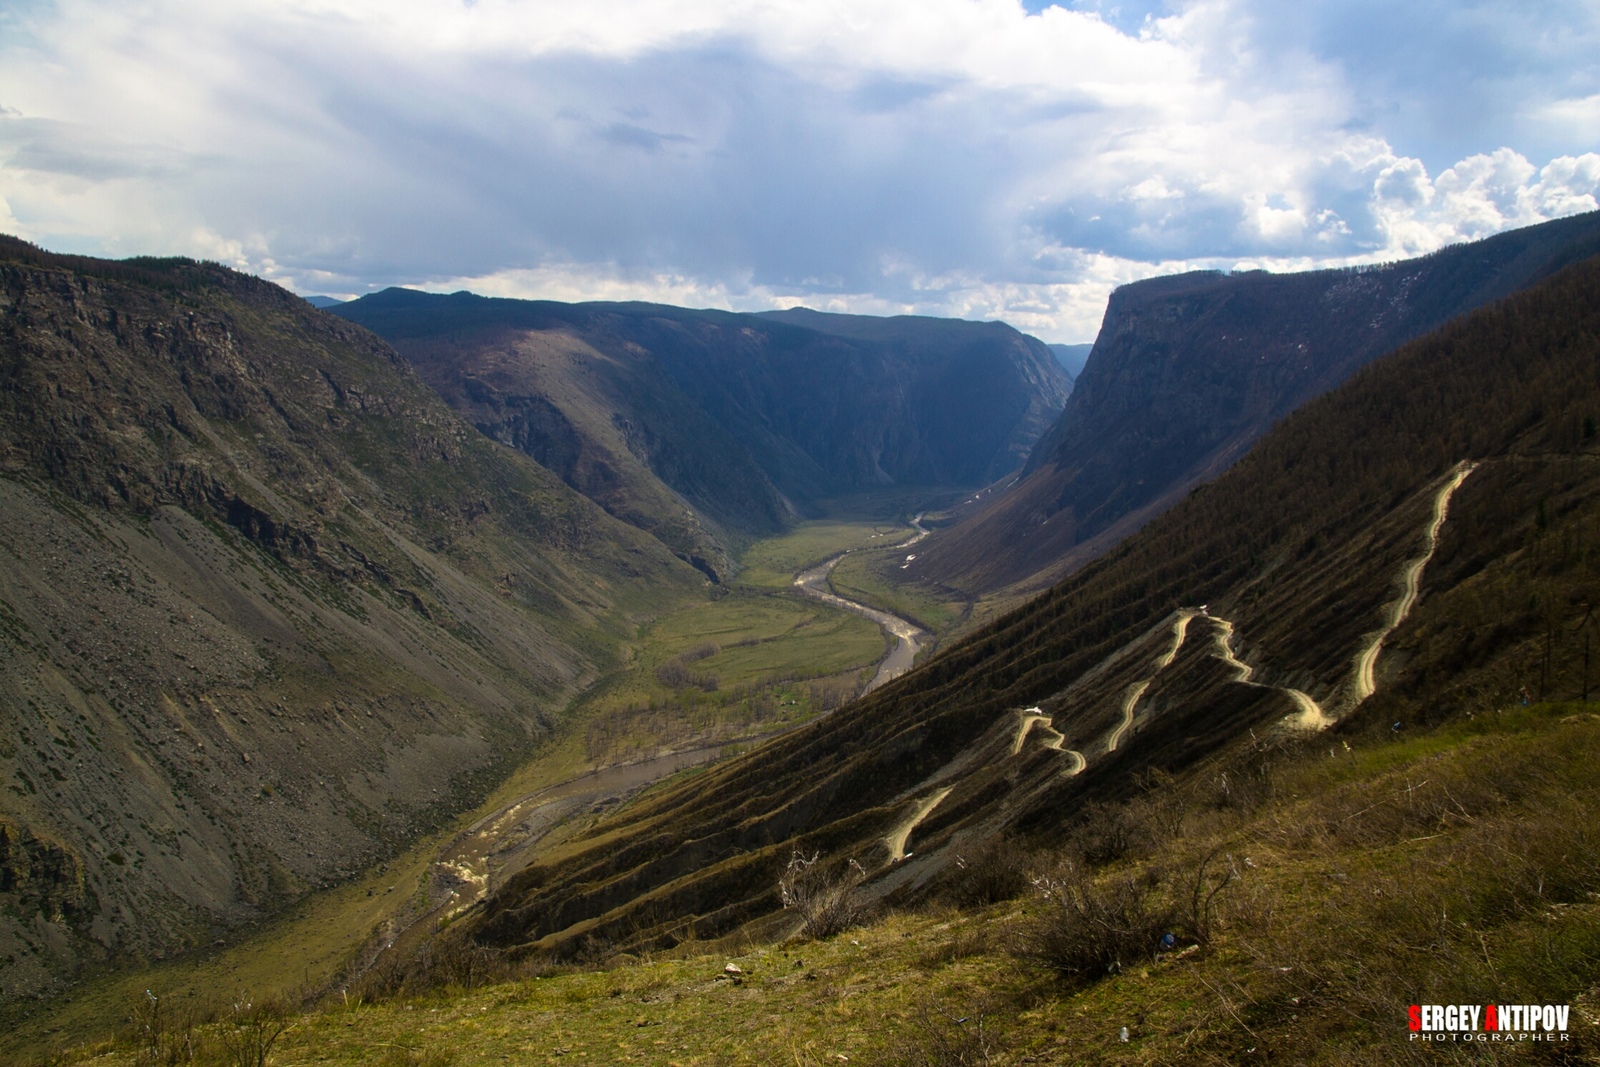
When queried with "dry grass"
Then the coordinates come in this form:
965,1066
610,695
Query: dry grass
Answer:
1459,866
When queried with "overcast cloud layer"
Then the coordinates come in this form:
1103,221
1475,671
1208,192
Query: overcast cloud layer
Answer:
951,157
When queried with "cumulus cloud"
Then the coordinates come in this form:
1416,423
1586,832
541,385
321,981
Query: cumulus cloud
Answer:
969,157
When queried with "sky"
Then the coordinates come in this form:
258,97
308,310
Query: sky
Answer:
971,158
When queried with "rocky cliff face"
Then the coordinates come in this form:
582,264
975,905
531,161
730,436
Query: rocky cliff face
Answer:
954,402
1188,371
268,607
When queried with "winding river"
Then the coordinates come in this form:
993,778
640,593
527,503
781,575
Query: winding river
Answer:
909,638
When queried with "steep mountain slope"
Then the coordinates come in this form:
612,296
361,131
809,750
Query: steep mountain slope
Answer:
590,405
744,417
267,606
1189,370
1428,528
981,393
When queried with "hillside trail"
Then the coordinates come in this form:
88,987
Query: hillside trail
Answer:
1362,683
1310,716
1180,632
909,638
896,839
1032,717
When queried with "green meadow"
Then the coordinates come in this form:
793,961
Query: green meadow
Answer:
869,578
772,564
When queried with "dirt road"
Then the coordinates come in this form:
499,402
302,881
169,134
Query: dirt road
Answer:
1363,684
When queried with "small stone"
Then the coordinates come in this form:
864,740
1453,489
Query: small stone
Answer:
732,968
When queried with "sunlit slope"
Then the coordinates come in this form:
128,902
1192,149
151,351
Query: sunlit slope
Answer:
1287,570
268,608
615,428
1188,371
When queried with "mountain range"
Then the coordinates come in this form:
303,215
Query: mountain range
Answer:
1189,370
272,606
708,428
269,607
284,588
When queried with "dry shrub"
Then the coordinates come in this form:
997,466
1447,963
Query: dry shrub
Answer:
704,650
251,1029
673,674
1203,884
986,872
447,961
937,1035
164,1033
1110,832
1165,805
1248,780
676,672
824,895
1084,930
457,963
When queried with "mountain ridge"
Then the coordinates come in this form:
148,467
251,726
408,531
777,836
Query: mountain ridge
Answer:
793,407
269,609
1190,369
